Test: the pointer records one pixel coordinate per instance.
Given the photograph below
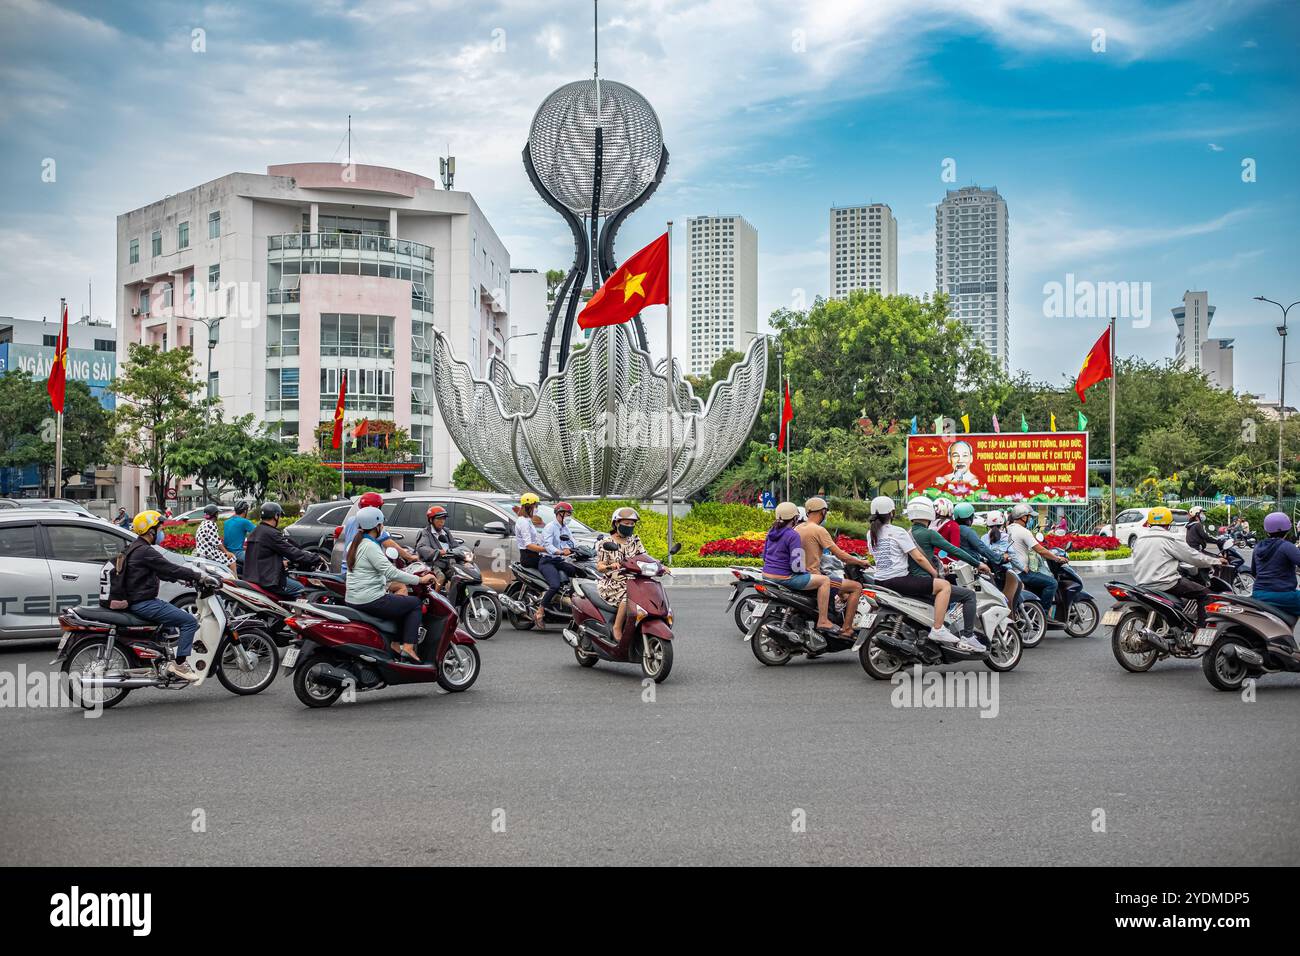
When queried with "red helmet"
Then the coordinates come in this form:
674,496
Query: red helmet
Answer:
564,506
371,500
437,511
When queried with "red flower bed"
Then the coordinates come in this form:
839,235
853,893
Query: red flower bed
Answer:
178,542
1082,542
749,548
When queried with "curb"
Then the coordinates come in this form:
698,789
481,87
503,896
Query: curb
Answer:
713,577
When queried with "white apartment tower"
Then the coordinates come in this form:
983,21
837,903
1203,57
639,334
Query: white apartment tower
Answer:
864,250
1194,348
970,264
722,287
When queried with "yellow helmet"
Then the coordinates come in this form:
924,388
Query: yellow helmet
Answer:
146,521
1160,517
528,498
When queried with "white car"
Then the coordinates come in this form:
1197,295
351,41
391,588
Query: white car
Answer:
1131,521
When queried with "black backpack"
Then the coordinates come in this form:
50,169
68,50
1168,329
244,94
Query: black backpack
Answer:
112,583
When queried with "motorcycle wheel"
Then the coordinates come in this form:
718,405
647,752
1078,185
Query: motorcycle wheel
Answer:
656,658
80,660
520,622
1005,649
458,668
188,602
1243,584
878,662
487,605
1125,641
586,658
1032,622
744,611
308,690
1083,618
768,650
257,679
1223,672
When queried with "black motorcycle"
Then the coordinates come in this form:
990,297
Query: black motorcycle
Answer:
782,620
1073,608
523,596
476,604
1241,581
1147,625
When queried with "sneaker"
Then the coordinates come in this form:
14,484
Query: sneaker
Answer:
941,635
973,640
183,671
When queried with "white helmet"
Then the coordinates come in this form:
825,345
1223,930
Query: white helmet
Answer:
943,507
920,508
994,519
1195,511
882,505
370,518
1021,511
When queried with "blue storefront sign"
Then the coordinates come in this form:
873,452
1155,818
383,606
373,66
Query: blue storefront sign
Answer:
96,369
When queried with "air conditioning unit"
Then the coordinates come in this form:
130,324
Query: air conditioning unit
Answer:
135,311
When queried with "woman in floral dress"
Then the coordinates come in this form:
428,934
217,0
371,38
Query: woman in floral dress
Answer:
612,585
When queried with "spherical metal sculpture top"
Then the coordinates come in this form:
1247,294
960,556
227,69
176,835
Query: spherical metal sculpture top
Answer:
562,143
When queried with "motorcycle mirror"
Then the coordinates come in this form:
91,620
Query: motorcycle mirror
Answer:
675,548
610,546
1039,536
392,554
1211,528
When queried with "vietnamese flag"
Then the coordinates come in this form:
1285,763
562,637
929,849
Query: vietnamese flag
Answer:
787,416
362,429
338,409
57,382
1097,366
640,281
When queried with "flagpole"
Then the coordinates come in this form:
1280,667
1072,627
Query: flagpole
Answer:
1114,375
58,421
672,395
787,445
343,460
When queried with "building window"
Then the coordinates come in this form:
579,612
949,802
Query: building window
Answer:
214,386
214,278
135,250
214,225
155,243
183,236
50,341
105,345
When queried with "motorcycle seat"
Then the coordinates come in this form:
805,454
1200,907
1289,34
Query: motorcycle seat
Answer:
102,615
1265,606
592,594
380,624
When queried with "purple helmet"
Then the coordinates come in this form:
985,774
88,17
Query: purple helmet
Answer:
1276,521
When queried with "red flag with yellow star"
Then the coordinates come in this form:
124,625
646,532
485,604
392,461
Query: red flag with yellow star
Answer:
1097,366
640,281
338,409
56,384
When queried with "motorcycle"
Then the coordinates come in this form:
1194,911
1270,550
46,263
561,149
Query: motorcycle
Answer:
899,633
1242,582
106,654
338,648
1029,615
1246,639
647,636
523,595
1147,625
745,594
476,603
1076,611
781,621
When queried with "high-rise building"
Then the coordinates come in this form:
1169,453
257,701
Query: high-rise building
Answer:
1194,348
310,273
529,313
864,250
970,264
722,287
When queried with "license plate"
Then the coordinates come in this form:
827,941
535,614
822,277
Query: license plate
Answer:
865,620
1204,636
757,609
1111,617
63,641
290,656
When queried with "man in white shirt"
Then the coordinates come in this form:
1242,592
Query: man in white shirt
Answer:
1158,552
1024,543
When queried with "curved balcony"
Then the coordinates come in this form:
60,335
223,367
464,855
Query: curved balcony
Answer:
330,245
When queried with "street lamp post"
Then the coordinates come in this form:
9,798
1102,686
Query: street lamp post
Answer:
505,346
209,325
1281,392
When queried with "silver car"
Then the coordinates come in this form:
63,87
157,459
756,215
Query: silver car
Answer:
50,560
485,521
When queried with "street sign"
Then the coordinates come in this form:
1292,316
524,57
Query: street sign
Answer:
171,494
1229,499
769,500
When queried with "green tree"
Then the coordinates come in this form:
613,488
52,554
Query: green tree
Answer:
717,372
237,454
27,427
465,477
302,479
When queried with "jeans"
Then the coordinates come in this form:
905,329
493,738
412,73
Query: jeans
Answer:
397,607
553,569
966,597
1044,585
160,612
1288,601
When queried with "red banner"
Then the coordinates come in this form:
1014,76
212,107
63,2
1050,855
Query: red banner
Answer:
1016,466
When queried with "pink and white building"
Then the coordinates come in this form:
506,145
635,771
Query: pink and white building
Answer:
309,273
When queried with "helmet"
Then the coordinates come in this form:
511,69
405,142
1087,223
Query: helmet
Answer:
920,508
995,519
271,509
1274,522
370,518
624,514
241,507
815,504
564,507
786,511
371,499
963,511
882,505
146,521
1195,511
1021,511
211,510
943,507
528,498
436,511
1160,517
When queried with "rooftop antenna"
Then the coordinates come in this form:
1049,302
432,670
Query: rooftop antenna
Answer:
595,39
447,169
349,139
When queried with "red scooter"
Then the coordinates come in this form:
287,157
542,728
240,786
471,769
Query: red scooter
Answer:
647,625
339,648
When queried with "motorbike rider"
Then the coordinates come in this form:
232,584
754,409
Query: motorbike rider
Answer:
1274,562
435,543
784,560
612,585
559,544
816,540
528,538
1000,543
373,499
1196,534
920,510
369,574
207,539
1157,554
964,517
904,568
266,551
235,532
141,567
943,522
1023,544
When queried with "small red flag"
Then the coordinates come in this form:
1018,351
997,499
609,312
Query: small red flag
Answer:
56,384
338,409
1097,366
640,281
787,416
362,429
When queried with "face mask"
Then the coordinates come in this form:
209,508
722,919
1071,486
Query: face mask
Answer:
626,530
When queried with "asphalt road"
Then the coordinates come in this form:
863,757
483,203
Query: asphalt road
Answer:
545,762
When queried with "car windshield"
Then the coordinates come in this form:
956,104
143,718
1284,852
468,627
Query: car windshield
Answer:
545,512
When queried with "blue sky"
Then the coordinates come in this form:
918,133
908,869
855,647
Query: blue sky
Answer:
1122,165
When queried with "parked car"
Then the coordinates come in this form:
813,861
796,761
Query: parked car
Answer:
484,520
196,514
314,531
50,559
56,504
1131,521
